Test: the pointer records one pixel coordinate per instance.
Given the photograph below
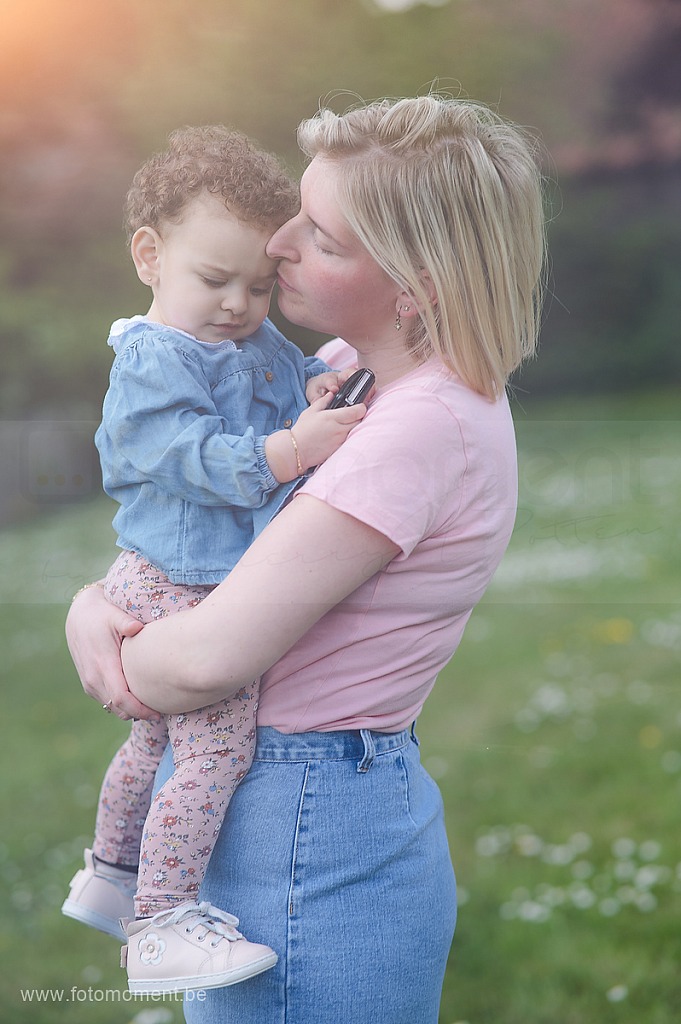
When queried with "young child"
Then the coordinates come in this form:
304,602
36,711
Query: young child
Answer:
197,445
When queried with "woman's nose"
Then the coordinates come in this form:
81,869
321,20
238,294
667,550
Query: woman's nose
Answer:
280,244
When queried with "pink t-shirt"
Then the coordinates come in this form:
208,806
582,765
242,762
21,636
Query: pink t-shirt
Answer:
433,467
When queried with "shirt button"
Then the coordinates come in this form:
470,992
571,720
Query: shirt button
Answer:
288,423
269,375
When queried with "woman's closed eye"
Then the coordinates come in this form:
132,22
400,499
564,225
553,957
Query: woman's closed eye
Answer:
320,248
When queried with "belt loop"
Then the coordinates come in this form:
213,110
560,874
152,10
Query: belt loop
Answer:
413,734
369,751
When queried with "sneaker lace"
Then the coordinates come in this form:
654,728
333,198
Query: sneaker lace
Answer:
202,915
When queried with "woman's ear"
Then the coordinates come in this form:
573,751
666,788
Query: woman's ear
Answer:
145,249
409,305
405,308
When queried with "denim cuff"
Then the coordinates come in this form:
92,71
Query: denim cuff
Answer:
263,465
314,366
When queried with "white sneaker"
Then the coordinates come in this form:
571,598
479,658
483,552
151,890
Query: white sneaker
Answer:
100,896
195,946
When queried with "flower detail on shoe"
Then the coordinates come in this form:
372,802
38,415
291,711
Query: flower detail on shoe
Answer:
152,948
201,948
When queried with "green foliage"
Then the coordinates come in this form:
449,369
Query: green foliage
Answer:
56,304
553,734
611,320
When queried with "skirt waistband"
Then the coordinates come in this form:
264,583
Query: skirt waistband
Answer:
353,745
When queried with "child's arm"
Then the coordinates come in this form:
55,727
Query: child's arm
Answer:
161,424
317,433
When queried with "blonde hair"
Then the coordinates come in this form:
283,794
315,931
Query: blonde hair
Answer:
446,195
215,159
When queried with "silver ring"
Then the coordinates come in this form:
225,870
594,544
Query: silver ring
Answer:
107,706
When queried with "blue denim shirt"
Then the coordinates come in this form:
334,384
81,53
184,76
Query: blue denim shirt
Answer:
182,442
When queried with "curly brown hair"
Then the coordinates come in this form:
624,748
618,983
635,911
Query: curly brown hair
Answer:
211,158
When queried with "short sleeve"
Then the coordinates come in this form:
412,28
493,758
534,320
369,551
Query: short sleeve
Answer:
401,470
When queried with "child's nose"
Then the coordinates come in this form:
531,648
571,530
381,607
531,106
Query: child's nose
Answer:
235,301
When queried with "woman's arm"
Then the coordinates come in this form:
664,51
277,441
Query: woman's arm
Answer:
308,559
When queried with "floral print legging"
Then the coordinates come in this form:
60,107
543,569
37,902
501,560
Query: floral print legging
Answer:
171,837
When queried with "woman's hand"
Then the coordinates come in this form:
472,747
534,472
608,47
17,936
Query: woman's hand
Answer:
95,630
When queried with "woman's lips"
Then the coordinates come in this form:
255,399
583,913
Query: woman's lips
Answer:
283,283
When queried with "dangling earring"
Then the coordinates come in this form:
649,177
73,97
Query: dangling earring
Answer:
398,318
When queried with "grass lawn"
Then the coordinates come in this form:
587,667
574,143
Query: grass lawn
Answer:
554,734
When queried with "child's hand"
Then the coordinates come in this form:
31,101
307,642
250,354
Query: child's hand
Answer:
317,433
324,383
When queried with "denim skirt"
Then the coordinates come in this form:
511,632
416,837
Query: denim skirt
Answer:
334,853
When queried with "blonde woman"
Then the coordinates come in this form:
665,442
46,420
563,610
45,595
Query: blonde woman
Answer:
419,242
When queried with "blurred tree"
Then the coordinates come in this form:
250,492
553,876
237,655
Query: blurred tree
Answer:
611,317
653,76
